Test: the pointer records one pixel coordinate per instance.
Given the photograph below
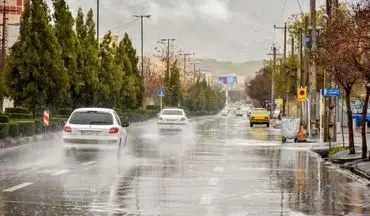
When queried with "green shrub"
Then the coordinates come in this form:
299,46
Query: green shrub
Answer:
153,107
4,119
13,129
61,116
17,110
26,128
65,111
39,126
20,115
56,124
335,150
4,130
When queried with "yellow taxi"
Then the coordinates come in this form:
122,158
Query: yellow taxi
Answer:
259,116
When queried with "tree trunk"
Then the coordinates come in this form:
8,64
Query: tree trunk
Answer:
350,123
364,125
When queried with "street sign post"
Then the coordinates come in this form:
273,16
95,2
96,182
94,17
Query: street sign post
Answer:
330,92
160,94
301,94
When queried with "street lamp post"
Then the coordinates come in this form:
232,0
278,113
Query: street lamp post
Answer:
142,43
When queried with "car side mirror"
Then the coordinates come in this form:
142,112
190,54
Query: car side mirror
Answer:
125,124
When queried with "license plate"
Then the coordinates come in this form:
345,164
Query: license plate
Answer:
171,120
90,133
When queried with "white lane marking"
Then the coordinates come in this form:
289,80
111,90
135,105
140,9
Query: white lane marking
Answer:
60,172
206,199
17,187
88,163
213,181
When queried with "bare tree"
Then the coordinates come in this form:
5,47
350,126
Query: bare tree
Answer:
154,77
333,55
360,53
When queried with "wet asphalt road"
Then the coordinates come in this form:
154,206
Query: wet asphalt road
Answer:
218,166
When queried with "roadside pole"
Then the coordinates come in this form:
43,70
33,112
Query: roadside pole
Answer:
161,102
309,116
321,119
160,94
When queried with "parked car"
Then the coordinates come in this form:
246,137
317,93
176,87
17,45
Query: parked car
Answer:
172,118
94,128
224,112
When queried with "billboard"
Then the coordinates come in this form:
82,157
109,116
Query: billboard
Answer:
228,80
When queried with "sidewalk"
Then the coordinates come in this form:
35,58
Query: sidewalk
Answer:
353,162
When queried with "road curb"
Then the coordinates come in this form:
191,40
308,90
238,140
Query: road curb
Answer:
10,142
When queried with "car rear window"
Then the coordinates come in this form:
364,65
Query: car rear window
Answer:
172,112
91,118
259,112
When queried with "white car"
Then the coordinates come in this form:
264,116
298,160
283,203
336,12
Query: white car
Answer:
94,128
224,112
172,118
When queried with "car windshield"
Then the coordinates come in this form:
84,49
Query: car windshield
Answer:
172,112
259,112
91,118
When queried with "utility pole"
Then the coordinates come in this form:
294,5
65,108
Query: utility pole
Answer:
4,45
272,104
330,116
168,40
313,65
4,35
299,70
194,70
186,54
142,42
284,59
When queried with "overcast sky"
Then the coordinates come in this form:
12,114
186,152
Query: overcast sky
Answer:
231,30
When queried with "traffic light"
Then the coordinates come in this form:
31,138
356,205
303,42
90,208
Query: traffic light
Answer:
301,94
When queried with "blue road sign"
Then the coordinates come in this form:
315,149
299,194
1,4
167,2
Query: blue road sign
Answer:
330,92
160,92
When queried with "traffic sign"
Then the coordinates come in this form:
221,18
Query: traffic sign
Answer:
160,92
301,94
46,118
330,92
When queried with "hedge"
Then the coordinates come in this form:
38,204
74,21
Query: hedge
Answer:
4,119
26,128
13,129
153,107
17,110
20,115
4,130
64,111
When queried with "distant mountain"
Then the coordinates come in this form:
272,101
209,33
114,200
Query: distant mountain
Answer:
248,68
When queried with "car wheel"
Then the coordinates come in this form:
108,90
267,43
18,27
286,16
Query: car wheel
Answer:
268,125
283,140
251,124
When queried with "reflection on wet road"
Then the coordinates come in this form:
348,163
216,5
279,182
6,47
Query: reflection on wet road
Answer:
217,166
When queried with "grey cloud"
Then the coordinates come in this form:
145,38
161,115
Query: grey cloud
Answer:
233,30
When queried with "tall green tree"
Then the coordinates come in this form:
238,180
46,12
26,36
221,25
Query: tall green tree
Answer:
35,73
86,77
131,53
67,38
128,92
110,74
174,89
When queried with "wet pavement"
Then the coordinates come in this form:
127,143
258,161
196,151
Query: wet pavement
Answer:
217,166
